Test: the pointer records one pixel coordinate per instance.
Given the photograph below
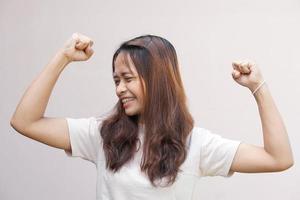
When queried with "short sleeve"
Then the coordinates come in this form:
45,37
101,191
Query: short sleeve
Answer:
216,154
85,138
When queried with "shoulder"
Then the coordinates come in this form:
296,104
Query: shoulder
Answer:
203,137
198,137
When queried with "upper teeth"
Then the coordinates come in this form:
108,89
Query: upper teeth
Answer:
126,100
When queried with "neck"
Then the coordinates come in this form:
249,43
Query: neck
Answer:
140,120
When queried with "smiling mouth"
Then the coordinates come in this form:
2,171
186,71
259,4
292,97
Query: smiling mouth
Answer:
127,103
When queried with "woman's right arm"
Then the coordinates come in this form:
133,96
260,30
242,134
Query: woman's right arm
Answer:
28,118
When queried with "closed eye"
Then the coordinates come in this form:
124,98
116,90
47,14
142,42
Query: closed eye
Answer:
117,82
128,79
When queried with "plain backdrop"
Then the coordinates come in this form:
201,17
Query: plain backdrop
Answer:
207,35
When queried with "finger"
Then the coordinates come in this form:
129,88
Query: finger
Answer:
236,64
236,74
73,40
249,66
244,64
89,51
85,39
76,39
87,43
82,45
91,43
79,45
238,67
245,68
82,41
252,65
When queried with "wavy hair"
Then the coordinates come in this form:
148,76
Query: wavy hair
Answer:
167,121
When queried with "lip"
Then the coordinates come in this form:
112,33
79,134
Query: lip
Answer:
121,98
127,104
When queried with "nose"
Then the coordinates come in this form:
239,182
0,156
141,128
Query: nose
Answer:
121,88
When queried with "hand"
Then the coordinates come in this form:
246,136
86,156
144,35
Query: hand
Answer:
77,48
247,74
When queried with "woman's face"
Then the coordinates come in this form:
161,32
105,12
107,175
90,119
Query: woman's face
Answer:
128,85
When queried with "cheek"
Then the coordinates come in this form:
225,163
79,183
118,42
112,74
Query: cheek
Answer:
140,92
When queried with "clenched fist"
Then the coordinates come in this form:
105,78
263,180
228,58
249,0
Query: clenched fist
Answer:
78,48
247,74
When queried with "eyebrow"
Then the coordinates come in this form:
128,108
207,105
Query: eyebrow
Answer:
122,74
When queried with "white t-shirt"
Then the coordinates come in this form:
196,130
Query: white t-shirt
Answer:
208,155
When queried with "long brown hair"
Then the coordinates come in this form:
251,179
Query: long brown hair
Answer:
167,121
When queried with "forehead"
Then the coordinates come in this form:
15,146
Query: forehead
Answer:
124,65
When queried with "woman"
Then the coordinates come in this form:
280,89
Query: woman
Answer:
148,146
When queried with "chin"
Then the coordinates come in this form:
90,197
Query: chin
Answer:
131,112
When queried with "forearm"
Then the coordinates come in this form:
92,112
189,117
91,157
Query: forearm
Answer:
34,101
275,136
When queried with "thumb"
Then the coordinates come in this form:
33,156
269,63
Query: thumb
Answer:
235,74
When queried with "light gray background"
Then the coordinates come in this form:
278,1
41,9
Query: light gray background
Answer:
208,36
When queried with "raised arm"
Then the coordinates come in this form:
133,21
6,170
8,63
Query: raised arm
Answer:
28,118
276,154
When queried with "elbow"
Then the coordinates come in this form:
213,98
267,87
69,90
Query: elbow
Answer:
290,164
20,125
12,122
15,125
285,165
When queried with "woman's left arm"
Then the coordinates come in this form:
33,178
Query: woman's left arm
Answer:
276,155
